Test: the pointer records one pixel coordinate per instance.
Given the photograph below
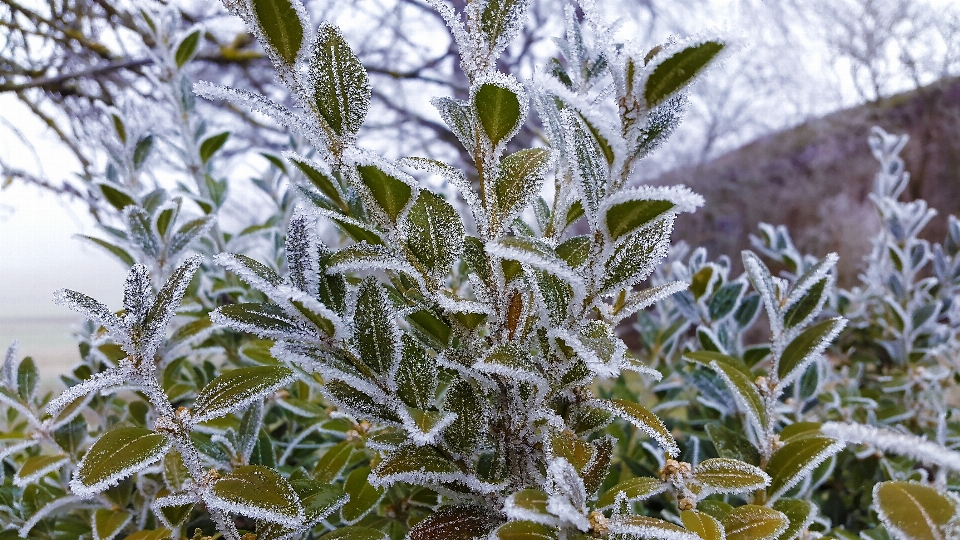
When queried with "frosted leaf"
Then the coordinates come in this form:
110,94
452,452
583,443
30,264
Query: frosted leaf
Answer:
800,308
341,89
586,160
116,455
12,449
500,106
500,23
466,45
630,210
254,273
434,234
643,420
96,312
99,381
140,231
887,440
384,188
807,348
365,257
722,475
529,505
36,468
314,313
512,362
186,338
567,496
640,300
648,527
763,283
137,295
257,492
358,230
453,175
59,504
302,255
633,258
8,374
376,333
454,304
547,109
167,301
265,320
187,233
459,118
424,427
518,181
537,255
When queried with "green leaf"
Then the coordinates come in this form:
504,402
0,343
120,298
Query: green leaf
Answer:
518,182
796,459
511,361
589,165
742,386
806,347
175,473
434,234
525,530
466,432
107,523
36,467
527,504
678,70
70,436
456,114
187,234
629,491
355,533
341,87
281,27
377,335
417,376
648,527
799,512
117,454
116,251
319,499
723,302
499,21
151,534
238,388
28,377
574,251
723,475
597,469
455,523
646,421
390,193
321,179
211,144
187,48
625,217
142,151
117,198
706,526
498,110
333,461
258,492
752,522
912,511
803,307
363,496
344,395
730,444
264,320
422,462
635,257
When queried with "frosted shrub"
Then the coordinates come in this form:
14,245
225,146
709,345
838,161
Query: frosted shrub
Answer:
377,360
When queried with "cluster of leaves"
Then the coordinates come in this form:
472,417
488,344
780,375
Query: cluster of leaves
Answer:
459,370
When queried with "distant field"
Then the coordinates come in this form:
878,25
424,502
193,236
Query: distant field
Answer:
46,339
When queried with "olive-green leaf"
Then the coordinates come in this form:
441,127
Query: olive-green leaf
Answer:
498,110
796,459
802,308
799,512
525,530
465,433
517,183
740,383
676,71
632,490
417,375
390,193
258,492
319,499
142,151
527,504
752,522
264,320
341,87
913,511
625,217
28,377
355,533
422,462
333,461
363,496
117,454
211,144
281,26
117,198
455,523
357,402
187,48
238,388
730,444
377,335
723,302
107,523
37,466
500,21
150,534
114,250
646,421
434,234
321,179
723,475
648,527
706,526
806,347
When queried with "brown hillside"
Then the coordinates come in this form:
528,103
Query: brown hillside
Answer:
815,178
